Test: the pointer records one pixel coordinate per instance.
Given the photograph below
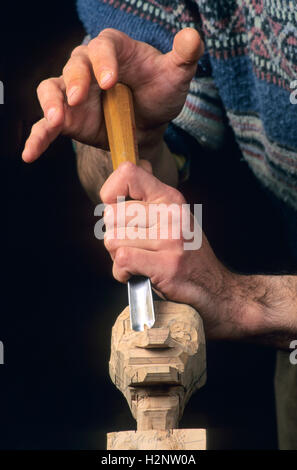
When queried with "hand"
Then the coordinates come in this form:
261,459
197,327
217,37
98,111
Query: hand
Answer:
193,277
260,308
72,104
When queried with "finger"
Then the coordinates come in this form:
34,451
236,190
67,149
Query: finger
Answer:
181,62
42,134
134,261
106,51
157,218
134,238
125,214
187,47
77,76
52,99
134,182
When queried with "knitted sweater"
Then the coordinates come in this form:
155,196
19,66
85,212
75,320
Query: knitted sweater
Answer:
244,79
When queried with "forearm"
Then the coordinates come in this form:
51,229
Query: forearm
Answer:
94,166
272,309
259,308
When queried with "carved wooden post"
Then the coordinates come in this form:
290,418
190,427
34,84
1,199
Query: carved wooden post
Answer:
157,370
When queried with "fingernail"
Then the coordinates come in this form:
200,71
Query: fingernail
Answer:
72,92
105,76
50,114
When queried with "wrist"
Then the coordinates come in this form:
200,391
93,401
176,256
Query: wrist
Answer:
244,309
220,302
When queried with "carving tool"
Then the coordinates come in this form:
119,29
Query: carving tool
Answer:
120,124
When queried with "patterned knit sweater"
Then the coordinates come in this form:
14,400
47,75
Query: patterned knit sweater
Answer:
247,78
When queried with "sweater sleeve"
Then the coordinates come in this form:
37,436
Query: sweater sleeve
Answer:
156,23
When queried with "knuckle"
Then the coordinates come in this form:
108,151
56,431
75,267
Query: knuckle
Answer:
175,196
78,50
105,37
76,65
103,193
37,131
97,41
92,44
109,243
118,274
43,85
122,256
66,68
108,215
127,169
35,127
115,272
107,33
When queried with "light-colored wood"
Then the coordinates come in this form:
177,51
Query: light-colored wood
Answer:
120,124
158,370
157,407
154,338
175,439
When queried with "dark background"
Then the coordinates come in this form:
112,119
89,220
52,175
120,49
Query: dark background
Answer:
58,299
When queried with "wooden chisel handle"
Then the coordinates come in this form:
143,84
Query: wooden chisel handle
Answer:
120,124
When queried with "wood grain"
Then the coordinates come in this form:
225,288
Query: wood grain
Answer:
158,370
120,124
175,439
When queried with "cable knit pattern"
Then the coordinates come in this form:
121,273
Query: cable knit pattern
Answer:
246,73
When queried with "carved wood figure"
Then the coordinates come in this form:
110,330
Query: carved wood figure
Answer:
158,370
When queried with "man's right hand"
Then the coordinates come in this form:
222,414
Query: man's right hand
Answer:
160,82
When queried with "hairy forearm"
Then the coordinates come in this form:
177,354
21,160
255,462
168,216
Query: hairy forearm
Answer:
260,308
272,312
94,166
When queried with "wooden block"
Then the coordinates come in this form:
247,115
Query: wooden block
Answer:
156,375
156,408
174,439
161,366
185,351
154,338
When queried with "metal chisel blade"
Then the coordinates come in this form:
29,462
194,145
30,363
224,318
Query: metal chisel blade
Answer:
141,303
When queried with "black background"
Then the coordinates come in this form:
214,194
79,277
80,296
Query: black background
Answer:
58,300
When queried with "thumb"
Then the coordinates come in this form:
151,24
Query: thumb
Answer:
183,58
187,47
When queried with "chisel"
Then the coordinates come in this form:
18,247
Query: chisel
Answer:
120,125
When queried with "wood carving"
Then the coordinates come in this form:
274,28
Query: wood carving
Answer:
174,439
158,370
